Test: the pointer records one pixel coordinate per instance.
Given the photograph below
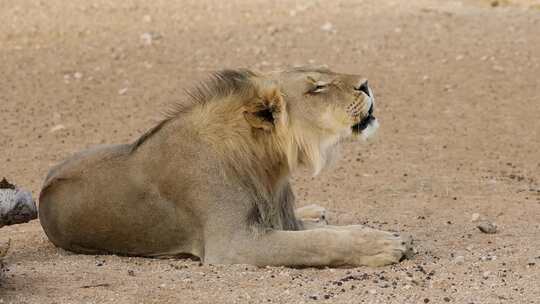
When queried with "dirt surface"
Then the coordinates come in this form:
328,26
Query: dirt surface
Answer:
458,91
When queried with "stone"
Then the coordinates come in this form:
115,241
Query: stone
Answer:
57,128
122,91
459,259
327,27
487,227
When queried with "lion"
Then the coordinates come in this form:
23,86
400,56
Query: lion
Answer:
211,180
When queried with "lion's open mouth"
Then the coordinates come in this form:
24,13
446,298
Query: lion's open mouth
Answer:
364,123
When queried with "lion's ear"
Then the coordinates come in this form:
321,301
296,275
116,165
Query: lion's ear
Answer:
266,110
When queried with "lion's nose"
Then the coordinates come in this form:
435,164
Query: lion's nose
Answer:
363,87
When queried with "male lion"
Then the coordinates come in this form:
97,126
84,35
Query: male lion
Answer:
212,179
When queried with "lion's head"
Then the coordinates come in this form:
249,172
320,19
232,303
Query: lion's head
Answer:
335,103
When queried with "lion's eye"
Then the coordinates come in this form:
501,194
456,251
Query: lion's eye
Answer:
319,87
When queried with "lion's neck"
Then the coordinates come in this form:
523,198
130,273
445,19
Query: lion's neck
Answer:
255,160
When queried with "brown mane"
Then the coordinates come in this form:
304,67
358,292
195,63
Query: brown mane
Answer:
220,84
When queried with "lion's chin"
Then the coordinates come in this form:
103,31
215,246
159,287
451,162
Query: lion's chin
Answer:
366,128
370,130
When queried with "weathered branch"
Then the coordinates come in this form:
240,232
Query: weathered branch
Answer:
16,205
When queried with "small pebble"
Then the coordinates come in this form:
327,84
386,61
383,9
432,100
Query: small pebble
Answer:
459,259
327,27
486,274
57,128
488,258
487,227
475,217
148,38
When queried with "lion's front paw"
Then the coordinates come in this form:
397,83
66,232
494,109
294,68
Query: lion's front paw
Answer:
379,248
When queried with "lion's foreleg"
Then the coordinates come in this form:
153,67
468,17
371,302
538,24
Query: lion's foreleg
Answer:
317,247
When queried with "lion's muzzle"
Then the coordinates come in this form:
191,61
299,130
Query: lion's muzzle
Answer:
365,122
369,119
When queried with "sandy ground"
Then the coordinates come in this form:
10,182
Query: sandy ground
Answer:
458,86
